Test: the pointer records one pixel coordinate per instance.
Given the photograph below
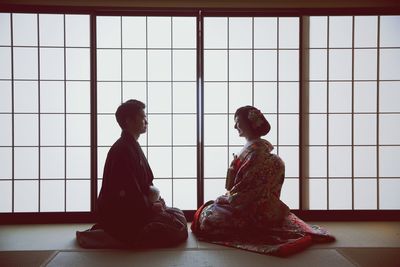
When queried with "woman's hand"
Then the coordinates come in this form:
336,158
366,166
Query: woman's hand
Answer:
232,168
233,163
222,200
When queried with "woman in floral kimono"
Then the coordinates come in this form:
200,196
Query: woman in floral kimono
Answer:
250,215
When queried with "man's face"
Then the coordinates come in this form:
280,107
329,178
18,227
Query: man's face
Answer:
141,120
138,123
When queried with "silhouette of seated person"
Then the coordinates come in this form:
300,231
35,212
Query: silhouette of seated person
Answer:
129,209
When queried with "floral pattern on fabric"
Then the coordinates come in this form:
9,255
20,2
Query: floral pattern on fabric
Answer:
251,215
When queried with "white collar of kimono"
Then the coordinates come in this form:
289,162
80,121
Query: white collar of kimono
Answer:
249,143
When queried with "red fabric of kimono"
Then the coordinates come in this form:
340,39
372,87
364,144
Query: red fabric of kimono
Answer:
250,215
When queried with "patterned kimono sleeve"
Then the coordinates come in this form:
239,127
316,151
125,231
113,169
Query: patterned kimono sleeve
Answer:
249,183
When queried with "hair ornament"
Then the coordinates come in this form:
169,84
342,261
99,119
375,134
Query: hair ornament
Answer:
256,118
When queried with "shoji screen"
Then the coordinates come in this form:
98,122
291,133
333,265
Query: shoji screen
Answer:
44,112
354,112
152,59
251,61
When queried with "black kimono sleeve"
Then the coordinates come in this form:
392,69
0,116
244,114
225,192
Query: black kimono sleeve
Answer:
123,201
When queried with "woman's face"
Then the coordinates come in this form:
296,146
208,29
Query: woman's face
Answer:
242,127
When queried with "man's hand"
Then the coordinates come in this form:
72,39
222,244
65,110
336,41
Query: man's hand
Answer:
161,200
157,207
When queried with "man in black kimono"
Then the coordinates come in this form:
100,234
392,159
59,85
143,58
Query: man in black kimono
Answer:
124,209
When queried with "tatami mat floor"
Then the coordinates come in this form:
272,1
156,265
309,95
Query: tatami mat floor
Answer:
366,244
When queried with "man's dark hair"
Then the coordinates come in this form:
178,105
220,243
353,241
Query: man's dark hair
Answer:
128,109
